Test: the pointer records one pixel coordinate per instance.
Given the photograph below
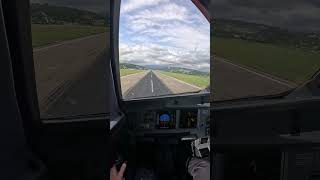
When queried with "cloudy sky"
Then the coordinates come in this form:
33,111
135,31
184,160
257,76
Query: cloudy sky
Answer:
300,15
164,32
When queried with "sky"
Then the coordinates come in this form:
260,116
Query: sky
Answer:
297,15
164,32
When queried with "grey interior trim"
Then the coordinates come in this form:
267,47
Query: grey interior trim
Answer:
262,103
114,122
84,119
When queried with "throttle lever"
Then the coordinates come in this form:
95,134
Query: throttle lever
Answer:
119,161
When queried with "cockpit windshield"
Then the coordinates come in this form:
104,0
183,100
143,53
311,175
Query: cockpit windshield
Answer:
164,48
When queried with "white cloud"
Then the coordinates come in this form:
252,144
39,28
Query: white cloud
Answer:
189,37
149,54
131,5
162,13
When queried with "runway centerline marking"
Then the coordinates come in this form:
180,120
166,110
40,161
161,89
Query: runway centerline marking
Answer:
151,84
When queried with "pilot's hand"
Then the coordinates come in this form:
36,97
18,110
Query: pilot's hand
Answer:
115,175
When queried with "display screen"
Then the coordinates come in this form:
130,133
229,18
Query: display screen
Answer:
189,119
166,120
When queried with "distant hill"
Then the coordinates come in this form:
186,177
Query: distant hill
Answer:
265,34
131,66
186,71
178,70
164,68
48,14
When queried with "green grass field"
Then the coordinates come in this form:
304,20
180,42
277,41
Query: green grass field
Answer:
200,81
295,65
124,72
48,34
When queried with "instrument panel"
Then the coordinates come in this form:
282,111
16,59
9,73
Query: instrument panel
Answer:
193,121
169,118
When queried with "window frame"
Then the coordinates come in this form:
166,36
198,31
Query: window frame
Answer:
17,16
18,27
26,74
115,19
116,60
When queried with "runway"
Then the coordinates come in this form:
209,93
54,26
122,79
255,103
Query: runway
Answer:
71,79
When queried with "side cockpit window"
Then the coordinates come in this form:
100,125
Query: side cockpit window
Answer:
263,48
69,40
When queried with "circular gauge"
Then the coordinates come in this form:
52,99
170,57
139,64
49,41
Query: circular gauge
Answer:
164,117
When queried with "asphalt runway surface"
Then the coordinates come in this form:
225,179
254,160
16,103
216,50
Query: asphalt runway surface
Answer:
71,76
148,86
66,61
231,81
85,95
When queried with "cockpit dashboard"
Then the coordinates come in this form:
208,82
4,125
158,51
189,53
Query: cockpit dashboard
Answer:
176,117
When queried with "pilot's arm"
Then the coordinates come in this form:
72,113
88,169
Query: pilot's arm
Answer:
115,175
199,169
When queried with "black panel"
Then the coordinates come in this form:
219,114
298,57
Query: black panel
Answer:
76,150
